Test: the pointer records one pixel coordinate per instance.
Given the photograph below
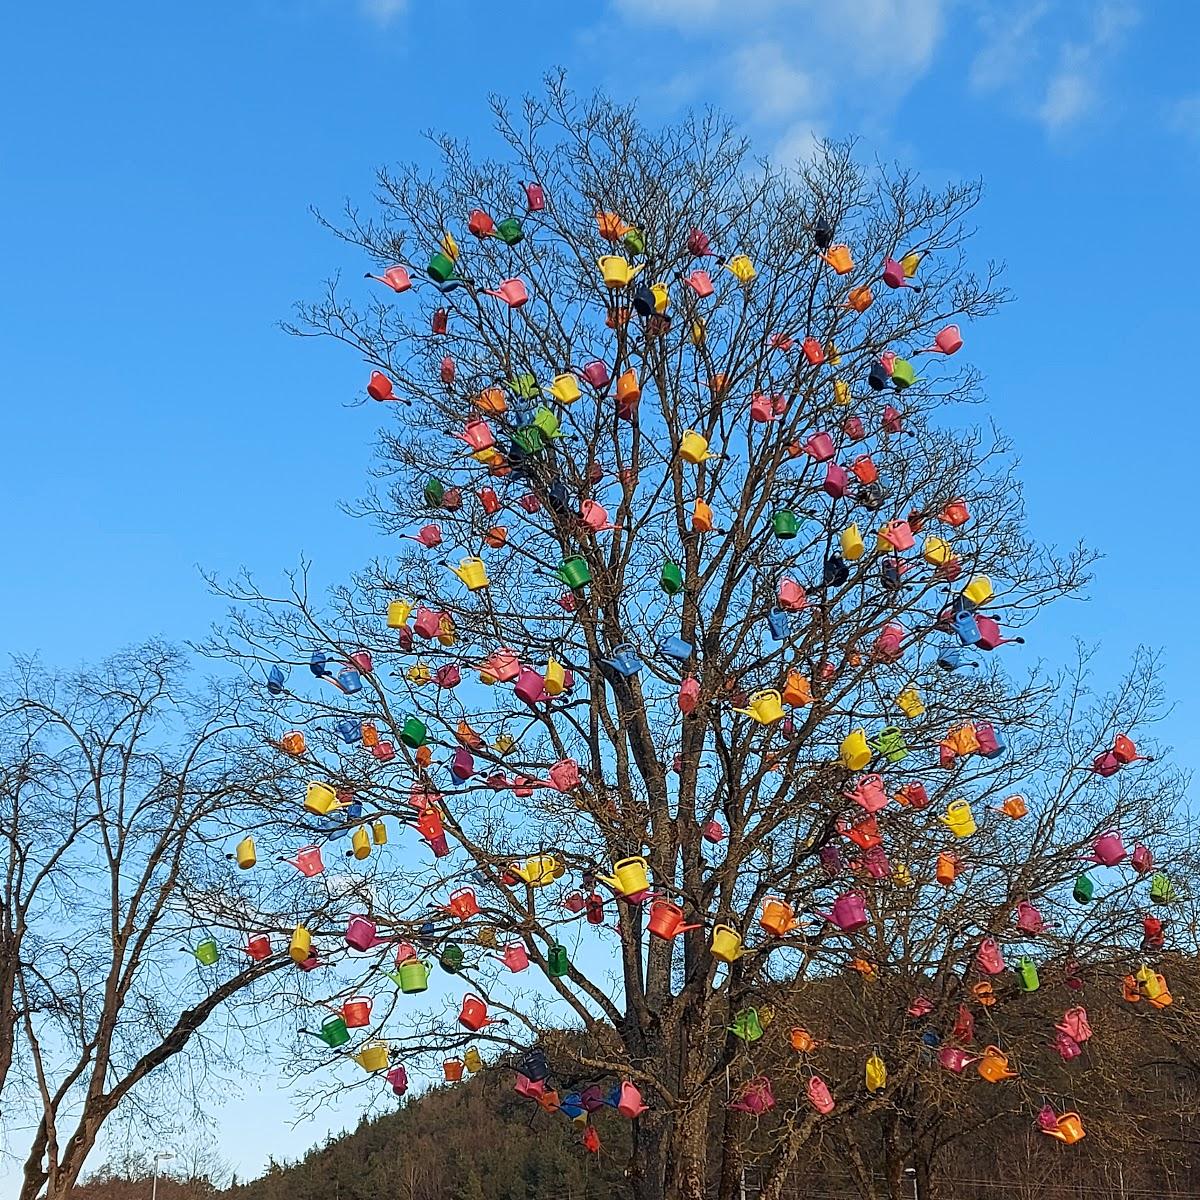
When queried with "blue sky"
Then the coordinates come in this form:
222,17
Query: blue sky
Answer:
158,162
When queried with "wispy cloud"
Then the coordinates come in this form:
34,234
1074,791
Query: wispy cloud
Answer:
383,11
1183,116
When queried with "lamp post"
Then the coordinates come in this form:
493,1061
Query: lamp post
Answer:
911,1172
161,1156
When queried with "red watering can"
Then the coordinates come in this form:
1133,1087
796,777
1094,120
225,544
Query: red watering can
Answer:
955,1059
448,675
792,596
888,644
531,1089
1106,764
427,622
921,1006
596,373
1029,920
1125,752
439,321
781,341
258,946
666,920
892,421
864,469
489,500
864,834
535,197
356,1012
395,277
913,795
1108,850
689,695
574,902
462,904
849,912
989,958
876,863
836,481
714,832
755,1097
819,447
869,794
564,775
853,428
307,861
462,764
948,341
1141,860
480,224
473,1014
1152,933
698,244
818,1095
430,536
591,1140
1075,1024
629,1101
405,951
361,934
964,1025
379,387
813,350
515,957
511,291
700,282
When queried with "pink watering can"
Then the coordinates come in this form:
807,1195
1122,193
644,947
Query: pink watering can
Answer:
502,665
818,1095
853,428
921,1006
713,832
379,387
427,623
430,536
362,661
947,341
989,958
1075,1024
819,447
361,934
876,863
837,481
700,282
888,644
1029,920
397,1077
891,420
689,695
307,861
629,1101
448,675
396,278
1047,1119
595,517
792,596
869,794
1141,860
531,1089
477,433
894,277
1067,1047
596,373
447,370
767,408
1108,850
849,912
511,291
990,637
897,534
404,951
755,1097
564,775
535,197
955,1059
530,686
515,957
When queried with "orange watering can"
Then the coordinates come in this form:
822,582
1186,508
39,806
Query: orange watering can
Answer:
1014,807
452,1069
993,1065
666,920
796,690
612,228
1068,1129
860,298
778,917
802,1041
839,258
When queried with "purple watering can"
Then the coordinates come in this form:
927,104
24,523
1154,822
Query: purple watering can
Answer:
462,765
596,373
755,1097
831,860
849,912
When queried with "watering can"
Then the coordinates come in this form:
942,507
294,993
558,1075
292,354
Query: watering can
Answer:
785,524
1075,1024
947,341
755,1097
741,268
936,551
440,268
333,1031
950,658
373,1056
852,544
275,681
413,733
1084,889
894,275
778,917
1027,976
667,921
796,690
539,870
258,947
990,637
473,1014
629,878
397,278
819,1096
836,481
993,1065
380,387
914,796
398,612
910,703
595,517
349,730
693,448
1108,850
854,752
1141,859
978,591
989,742
307,861
397,1078
244,853
529,686
702,517
819,447
865,471
839,258
624,660
360,844
954,1059
557,962
959,819
848,913
206,953
689,695
515,957
765,707
812,350
546,423
462,904
801,1040
320,799
564,388
834,572
791,595
617,272
903,375
509,231
564,775
966,627
676,648
860,298
1068,1129
412,976
713,832
1124,751
888,645
472,1060
1161,891
671,578
947,868
427,623
451,958
897,535
876,1074
989,958
574,572
361,934
452,1069
480,224
356,1012
700,282
300,946
726,944
869,794
596,374
1029,920
554,680
747,1026
462,765
922,1006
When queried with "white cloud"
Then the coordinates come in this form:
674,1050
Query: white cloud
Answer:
1009,45
1071,91
668,12
773,86
1183,116
383,11
1069,95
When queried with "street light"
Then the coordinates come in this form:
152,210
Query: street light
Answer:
911,1172
161,1156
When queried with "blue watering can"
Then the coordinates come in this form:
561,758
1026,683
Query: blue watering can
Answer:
950,658
317,664
676,647
349,730
966,627
624,661
275,681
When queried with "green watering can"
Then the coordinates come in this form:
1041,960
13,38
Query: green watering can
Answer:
206,952
785,524
524,387
510,232
574,572
557,961
413,976
435,492
451,959
747,1026
1161,891
1084,889
671,580
1027,976
413,733
441,268
546,423
903,374
528,439
891,744
635,243
333,1031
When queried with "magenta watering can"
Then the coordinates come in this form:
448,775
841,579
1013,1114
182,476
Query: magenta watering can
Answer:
448,675
819,447
462,764
511,291
762,408
989,958
1108,849
954,1059
596,373
427,623
361,934
876,863
755,1097
894,277
869,794
831,860
849,912
689,695
1141,860
397,1077
837,481
530,686
362,661
1029,920
1067,1047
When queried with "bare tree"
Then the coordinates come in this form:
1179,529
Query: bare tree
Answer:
738,676
115,783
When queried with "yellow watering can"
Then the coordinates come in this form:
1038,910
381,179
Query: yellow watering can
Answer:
694,448
699,332
726,944
373,1056
909,263
936,551
662,298
320,799
630,876
449,246
554,679
766,707
418,674
841,392
853,546
833,356
979,590
472,573
360,843
855,753
245,855
910,703
447,634
379,833
504,743
876,1073
565,389
300,947
617,271
959,819
472,1060
901,875
741,268
539,870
